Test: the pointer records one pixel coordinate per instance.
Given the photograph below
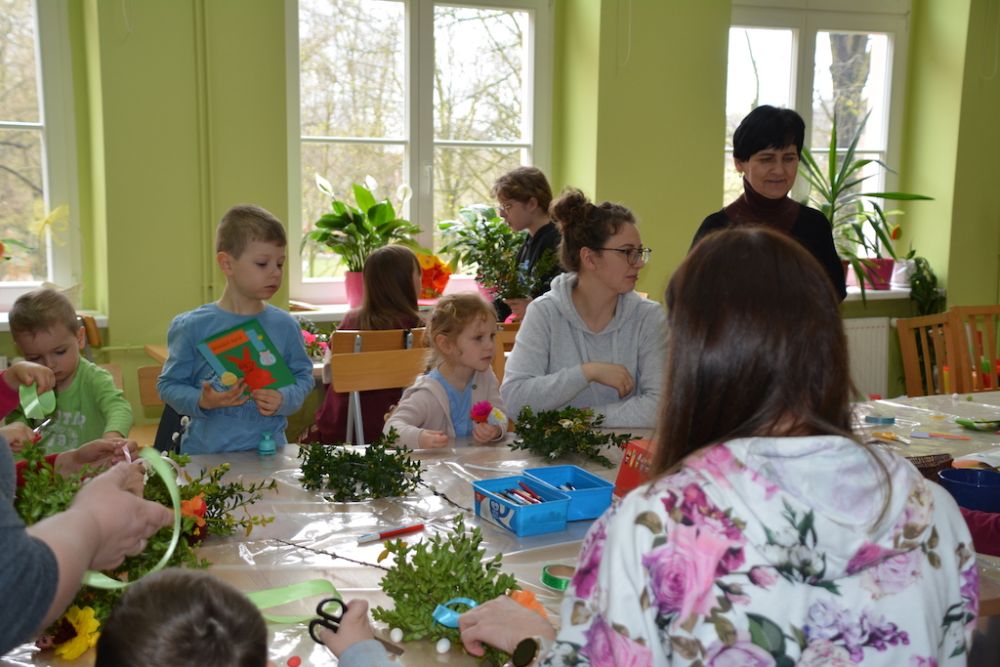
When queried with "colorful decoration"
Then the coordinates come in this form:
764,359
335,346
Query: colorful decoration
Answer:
434,275
317,342
483,412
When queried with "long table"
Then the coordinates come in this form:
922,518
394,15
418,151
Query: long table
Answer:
304,517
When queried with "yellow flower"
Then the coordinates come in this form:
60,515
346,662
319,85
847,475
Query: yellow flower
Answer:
426,261
86,627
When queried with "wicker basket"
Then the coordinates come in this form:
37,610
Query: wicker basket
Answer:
930,464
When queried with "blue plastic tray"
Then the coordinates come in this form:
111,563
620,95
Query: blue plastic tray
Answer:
592,495
546,517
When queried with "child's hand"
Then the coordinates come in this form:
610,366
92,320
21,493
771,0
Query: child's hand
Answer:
211,399
268,400
28,373
354,627
17,435
432,439
96,454
615,376
484,433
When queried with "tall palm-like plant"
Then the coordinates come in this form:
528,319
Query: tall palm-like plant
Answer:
837,193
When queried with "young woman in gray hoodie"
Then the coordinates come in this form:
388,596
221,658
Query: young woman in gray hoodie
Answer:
591,341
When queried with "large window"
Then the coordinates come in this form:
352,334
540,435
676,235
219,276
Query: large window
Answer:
35,148
823,64
441,97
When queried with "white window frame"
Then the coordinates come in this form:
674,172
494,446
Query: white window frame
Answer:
808,17
59,177
418,166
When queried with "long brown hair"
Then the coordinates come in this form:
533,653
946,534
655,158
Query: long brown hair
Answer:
756,346
390,300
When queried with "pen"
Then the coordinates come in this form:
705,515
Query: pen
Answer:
941,436
392,532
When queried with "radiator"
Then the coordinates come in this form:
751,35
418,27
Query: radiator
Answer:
868,349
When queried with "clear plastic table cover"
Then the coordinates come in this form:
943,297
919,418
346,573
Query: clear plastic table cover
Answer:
307,519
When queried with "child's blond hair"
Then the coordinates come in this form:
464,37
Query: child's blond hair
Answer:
449,318
245,223
40,310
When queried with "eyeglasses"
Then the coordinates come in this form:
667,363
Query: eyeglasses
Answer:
633,255
505,207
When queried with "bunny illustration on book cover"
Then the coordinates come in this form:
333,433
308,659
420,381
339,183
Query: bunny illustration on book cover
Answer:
245,351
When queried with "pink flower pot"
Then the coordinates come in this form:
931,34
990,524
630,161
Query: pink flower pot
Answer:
354,283
878,276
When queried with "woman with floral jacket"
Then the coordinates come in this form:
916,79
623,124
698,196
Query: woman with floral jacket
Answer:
769,535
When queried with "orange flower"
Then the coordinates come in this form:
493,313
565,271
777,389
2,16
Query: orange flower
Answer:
434,276
895,232
528,600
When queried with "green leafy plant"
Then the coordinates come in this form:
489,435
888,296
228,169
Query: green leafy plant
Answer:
837,193
924,288
480,238
433,571
353,232
555,434
347,474
208,506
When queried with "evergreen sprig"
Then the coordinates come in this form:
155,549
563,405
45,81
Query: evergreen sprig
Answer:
554,434
433,571
345,474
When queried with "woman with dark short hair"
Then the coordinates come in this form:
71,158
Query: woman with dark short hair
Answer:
767,147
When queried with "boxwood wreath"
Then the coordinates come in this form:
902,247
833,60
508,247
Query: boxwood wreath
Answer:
556,434
346,474
432,572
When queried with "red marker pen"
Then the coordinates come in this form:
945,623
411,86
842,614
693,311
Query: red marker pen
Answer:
392,532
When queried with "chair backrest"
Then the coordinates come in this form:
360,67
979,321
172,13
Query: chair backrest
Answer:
116,374
363,371
504,344
148,377
348,340
976,337
930,362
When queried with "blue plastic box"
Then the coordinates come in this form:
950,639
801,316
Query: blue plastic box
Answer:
592,494
546,517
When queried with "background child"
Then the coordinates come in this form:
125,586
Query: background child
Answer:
392,282
88,405
436,408
183,617
523,198
250,245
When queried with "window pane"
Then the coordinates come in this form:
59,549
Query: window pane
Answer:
21,203
343,165
733,182
351,68
760,72
479,79
465,176
851,78
18,67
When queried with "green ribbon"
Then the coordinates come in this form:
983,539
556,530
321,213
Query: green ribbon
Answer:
557,577
166,473
275,597
33,405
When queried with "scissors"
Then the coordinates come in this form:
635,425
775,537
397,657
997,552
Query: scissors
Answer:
36,433
331,612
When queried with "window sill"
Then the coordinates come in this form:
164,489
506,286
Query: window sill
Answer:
854,294
100,318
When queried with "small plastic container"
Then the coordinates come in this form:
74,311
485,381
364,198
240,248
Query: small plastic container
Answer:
266,446
590,495
973,489
545,517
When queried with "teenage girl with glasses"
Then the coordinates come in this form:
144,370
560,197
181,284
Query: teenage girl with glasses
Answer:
591,341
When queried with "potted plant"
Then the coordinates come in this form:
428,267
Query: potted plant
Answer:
354,231
861,227
480,238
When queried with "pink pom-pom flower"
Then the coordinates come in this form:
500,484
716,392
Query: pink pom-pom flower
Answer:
480,412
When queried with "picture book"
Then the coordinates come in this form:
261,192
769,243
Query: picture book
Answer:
246,352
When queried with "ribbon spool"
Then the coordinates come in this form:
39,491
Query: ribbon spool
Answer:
557,577
449,617
35,405
161,468
880,419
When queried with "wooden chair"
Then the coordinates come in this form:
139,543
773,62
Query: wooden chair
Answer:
976,337
930,361
364,371
349,341
145,434
504,344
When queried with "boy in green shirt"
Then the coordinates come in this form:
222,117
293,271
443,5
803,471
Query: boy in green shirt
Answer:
88,405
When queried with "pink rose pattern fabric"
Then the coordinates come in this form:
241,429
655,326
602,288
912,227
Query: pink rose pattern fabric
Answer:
669,577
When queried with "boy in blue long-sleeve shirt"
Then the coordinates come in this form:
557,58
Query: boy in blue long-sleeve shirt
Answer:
250,249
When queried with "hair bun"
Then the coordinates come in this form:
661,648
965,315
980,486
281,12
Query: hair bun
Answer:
571,207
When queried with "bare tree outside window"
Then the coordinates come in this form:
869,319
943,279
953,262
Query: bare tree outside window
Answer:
22,194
